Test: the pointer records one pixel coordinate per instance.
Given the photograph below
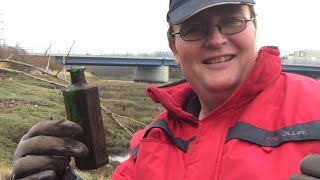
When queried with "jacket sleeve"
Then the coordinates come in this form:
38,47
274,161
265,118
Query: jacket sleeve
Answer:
126,169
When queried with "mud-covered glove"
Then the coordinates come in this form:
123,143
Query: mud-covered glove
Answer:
310,168
45,151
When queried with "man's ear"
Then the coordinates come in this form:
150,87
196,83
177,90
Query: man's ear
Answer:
174,50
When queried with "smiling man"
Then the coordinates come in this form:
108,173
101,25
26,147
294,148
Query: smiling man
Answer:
235,116
216,49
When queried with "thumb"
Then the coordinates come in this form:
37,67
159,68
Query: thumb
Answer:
310,165
69,174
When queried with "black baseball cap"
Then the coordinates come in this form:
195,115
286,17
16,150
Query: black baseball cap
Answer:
180,10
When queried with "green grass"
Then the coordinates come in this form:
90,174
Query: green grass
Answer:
25,102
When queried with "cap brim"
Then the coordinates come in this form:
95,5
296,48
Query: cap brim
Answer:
190,8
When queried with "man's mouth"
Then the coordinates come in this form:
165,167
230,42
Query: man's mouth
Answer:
218,60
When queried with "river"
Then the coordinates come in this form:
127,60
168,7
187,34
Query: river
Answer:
119,158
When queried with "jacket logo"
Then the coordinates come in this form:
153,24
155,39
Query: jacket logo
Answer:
263,137
287,134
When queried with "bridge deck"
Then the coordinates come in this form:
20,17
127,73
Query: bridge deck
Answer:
97,60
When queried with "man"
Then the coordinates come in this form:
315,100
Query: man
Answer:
236,116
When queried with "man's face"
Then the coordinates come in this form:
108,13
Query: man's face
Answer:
200,60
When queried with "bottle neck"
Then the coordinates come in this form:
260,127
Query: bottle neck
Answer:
78,79
77,76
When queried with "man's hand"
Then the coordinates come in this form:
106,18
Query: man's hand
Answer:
310,168
45,151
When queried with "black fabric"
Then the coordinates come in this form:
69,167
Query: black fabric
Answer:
161,123
135,152
274,47
299,132
183,145
173,83
193,106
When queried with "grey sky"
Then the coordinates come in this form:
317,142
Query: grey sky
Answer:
106,26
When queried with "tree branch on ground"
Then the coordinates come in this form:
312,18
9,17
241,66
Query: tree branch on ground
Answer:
34,67
35,77
111,131
111,115
114,100
41,58
130,119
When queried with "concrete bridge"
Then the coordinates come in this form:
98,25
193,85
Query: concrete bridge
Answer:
156,69
150,69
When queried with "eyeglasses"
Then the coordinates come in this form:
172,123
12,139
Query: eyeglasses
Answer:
227,26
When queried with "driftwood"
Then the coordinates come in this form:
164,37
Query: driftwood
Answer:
111,115
113,100
41,58
35,77
34,67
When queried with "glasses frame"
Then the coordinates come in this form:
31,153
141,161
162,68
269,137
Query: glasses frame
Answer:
219,28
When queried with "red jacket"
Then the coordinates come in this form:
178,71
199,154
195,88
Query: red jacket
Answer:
262,131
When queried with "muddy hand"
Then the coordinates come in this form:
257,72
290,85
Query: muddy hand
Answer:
46,149
309,168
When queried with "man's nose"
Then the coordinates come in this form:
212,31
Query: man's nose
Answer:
215,37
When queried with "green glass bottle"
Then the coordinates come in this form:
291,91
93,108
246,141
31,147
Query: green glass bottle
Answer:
83,107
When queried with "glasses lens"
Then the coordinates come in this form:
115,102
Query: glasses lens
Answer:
193,32
232,25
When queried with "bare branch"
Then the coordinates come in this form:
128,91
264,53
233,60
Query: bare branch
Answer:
127,101
66,58
116,100
130,119
35,77
41,58
130,128
110,114
10,56
111,131
28,65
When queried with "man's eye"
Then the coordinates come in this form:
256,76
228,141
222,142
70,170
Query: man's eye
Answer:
191,29
232,21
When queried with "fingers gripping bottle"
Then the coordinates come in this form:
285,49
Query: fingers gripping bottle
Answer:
83,107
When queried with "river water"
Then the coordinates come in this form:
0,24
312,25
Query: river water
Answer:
119,158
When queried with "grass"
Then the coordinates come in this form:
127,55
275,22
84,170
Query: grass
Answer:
25,101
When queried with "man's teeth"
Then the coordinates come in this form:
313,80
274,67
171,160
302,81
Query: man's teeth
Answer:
218,60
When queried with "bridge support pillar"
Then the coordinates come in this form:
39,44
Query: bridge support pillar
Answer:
151,74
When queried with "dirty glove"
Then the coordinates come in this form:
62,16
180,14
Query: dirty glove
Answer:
45,151
68,174
310,168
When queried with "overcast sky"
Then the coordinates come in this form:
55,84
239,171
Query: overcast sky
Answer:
107,26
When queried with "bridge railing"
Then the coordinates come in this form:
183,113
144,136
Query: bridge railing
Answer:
301,61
